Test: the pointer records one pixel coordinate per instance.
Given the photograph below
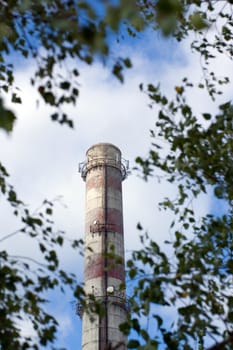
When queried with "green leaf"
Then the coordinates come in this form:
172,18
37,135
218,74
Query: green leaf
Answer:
5,30
130,263
12,196
65,85
225,106
7,118
133,344
54,116
15,98
219,191
75,72
42,247
49,98
207,116
49,211
60,240
144,335
198,21
132,273
127,63
117,71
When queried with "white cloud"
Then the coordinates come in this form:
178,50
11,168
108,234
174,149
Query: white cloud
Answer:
26,329
43,157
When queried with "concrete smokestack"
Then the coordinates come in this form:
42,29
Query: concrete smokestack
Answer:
104,270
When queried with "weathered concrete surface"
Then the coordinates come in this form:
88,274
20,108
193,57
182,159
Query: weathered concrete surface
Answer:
104,247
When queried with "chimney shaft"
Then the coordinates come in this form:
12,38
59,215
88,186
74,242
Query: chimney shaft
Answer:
104,270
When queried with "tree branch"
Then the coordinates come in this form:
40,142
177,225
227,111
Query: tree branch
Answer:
220,346
21,257
11,234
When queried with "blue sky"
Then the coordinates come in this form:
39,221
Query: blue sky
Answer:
43,157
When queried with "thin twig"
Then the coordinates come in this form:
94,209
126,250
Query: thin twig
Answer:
27,258
12,234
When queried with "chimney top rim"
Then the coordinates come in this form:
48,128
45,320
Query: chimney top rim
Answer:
105,144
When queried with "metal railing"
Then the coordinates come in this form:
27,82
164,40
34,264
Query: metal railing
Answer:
123,166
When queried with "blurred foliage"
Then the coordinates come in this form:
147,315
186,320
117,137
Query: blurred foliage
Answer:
25,280
194,152
58,36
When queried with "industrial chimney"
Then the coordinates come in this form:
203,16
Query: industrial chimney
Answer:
104,270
